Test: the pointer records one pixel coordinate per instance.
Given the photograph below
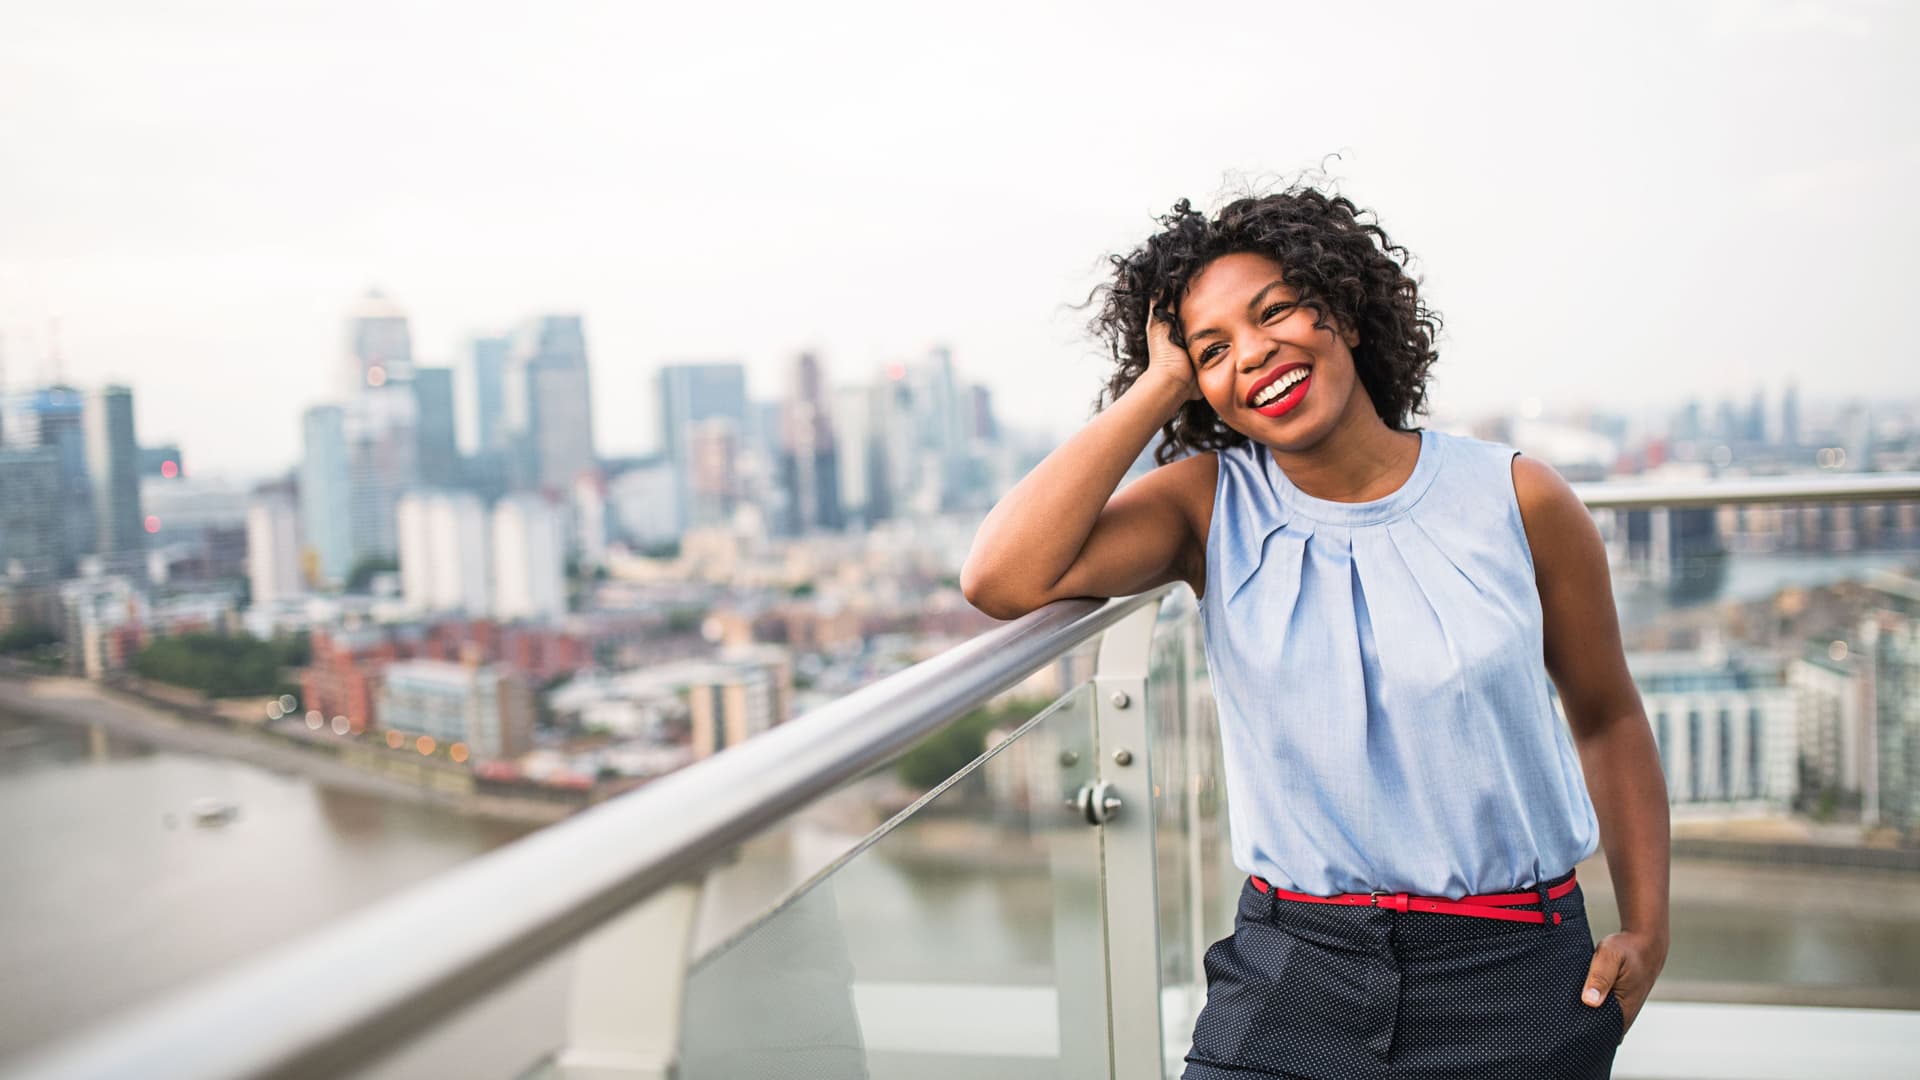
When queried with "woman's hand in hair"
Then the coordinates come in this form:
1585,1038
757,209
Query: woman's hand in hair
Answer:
1168,360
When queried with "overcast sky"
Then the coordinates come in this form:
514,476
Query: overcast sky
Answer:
1624,204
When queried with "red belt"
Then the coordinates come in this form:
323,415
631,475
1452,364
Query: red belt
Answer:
1486,905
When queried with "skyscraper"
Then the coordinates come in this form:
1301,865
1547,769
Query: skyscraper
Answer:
326,507
113,464
379,345
940,415
51,418
435,437
547,404
809,460
690,394
489,361
32,514
383,456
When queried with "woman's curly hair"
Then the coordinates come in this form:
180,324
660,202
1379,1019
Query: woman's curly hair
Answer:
1335,256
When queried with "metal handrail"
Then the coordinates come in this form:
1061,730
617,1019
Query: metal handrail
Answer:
1852,487
344,996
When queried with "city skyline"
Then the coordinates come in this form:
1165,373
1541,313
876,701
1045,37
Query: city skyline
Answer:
688,217
766,384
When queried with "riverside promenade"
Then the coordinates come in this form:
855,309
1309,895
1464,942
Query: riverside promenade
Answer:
364,769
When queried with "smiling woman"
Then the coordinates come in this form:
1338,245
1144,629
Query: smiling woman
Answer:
1319,264
1383,608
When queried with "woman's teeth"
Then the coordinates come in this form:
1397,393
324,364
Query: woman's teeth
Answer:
1279,387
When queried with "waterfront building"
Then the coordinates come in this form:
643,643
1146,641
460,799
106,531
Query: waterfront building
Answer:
529,559
273,546
104,616
1833,698
113,466
486,707
1725,728
444,553
1891,642
343,676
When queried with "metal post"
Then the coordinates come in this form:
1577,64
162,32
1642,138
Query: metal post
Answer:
629,984
1130,892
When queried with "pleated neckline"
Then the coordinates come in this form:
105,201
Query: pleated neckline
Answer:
1371,512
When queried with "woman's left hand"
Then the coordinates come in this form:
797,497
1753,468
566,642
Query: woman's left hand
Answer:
1626,962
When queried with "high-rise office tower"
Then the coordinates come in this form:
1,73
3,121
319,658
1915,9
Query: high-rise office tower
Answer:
381,422
383,463
940,408
435,436
809,460
51,418
691,394
326,504
113,464
547,405
32,514
273,546
1790,416
379,345
489,365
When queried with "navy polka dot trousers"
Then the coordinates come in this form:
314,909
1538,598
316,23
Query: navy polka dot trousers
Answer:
1325,992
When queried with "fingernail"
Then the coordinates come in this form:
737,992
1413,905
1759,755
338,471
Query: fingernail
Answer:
1591,996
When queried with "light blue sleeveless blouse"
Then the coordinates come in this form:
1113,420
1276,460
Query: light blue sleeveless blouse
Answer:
1385,713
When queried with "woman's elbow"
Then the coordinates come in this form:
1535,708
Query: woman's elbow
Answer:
988,594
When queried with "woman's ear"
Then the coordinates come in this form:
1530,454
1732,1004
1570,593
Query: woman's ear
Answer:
1351,336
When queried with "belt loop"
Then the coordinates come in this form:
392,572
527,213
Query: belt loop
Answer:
1272,896
1540,885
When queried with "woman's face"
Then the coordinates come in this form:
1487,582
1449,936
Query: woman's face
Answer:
1263,366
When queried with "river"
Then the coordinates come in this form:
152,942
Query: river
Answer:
113,895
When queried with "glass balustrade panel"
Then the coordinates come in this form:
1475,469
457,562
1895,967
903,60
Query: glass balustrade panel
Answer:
961,939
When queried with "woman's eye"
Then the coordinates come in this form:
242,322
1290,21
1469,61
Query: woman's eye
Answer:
1212,353
1275,310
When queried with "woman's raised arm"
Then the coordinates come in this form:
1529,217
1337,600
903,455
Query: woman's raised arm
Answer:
1063,532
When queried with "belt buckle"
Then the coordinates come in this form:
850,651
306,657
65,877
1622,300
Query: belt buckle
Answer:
1374,895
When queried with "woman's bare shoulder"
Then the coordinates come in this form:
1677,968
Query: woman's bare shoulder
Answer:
1188,485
